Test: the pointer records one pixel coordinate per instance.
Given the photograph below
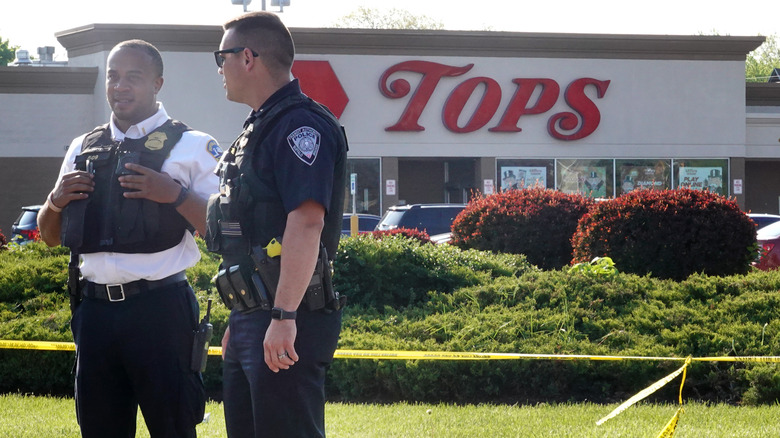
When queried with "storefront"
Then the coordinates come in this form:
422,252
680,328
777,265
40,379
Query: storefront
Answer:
437,116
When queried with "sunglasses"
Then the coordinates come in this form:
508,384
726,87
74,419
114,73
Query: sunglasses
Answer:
221,60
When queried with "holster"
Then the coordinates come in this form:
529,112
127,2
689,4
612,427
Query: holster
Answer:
74,282
254,287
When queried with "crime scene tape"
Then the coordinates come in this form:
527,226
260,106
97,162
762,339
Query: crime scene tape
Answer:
666,432
431,355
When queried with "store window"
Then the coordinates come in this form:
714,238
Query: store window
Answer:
518,173
642,174
367,194
702,174
592,178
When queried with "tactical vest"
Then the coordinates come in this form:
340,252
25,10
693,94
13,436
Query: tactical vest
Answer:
107,221
248,211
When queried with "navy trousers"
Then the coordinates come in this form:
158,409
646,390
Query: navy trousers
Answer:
290,403
137,353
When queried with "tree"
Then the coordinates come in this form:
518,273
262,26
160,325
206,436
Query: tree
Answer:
370,18
761,62
7,52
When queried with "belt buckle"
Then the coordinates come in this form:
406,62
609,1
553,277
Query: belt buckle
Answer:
121,292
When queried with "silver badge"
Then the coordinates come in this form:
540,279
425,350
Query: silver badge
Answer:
305,143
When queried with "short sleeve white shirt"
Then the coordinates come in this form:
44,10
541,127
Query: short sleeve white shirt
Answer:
191,162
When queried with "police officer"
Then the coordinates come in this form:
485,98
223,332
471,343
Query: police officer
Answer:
127,199
283,179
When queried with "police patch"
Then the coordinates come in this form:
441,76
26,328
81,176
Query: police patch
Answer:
305,142
214,149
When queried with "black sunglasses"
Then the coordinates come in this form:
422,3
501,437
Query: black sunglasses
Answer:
221,61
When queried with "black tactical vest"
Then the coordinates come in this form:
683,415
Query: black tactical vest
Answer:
248,212
109,222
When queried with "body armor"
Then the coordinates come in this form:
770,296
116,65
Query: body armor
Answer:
109,222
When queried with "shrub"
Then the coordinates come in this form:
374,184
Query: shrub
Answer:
668,234
422,236
398,271
3,241
536,222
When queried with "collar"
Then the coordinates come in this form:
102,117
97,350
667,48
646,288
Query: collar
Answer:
290,88
141,129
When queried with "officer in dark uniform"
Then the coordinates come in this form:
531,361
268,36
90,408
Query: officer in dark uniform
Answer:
127,199
282,181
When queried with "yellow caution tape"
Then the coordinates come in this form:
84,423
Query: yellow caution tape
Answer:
645,392
668,431
37,345
430,355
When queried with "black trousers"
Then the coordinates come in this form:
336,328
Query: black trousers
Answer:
137,353
290,403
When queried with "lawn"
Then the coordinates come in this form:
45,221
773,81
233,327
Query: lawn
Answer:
25,416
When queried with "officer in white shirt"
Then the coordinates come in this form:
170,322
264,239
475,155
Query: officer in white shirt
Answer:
127,200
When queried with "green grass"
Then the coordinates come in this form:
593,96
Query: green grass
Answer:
24,416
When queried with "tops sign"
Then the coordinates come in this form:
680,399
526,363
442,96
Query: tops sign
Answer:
568,125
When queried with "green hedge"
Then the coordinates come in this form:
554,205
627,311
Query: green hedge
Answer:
469,301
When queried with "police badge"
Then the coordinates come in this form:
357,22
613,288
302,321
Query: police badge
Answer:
305,143
156,141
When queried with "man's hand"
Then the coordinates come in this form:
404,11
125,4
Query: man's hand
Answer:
225,340
148,184
278,345
72,187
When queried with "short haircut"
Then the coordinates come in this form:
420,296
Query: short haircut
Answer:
147,48
265,33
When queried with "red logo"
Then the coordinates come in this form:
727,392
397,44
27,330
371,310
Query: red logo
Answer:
319,81
568,125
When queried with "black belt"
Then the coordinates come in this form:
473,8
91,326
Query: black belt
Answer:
120,292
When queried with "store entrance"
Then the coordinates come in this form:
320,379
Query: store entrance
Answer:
762,186
436,180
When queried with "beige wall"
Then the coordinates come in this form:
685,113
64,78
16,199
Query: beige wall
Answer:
42,109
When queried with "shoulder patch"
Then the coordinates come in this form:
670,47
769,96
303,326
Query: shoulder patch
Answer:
213,148
305,143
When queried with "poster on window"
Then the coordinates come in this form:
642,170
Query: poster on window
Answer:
633,177
590,181
702,178
515,177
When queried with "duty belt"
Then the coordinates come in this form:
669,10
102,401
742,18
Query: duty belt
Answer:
120,292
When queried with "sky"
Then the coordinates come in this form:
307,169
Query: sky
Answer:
33,23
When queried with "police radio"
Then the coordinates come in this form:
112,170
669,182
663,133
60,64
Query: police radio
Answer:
200,346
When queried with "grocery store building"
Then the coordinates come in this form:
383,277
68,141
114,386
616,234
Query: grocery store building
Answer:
435,116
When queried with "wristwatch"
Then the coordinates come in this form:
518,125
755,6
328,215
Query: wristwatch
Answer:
279,313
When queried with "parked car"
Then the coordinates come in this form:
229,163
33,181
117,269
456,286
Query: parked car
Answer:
431,218
25,227
769,247
366,222
763,219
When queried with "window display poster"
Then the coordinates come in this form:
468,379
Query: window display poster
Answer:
701,178
590,181
514,177
634,177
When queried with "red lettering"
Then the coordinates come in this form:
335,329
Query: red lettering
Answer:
589,115
432,73
485,109
518,106
580,122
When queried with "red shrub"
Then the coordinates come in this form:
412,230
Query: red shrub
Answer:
536,222
422,236
668,234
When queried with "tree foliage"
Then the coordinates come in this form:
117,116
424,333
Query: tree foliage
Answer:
371,18
7,52
760,62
